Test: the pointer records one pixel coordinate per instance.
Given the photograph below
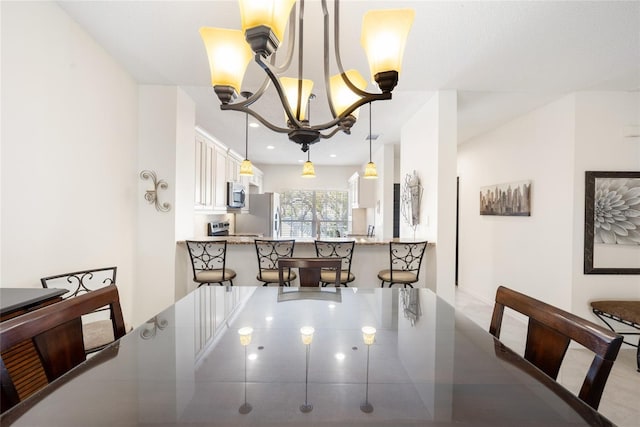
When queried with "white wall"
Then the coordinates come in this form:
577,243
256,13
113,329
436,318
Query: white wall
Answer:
278,178
167,147
69,178
383,212
542,255
429,147
530,254
600,145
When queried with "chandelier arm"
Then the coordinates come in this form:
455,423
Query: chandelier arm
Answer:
240,107
283,97
333,132
336,48
300,58
327,64
290,45
369,98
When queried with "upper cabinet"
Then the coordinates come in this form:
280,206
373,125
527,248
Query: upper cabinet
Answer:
214,166
220,180
233,168
205,160
253,183
362,192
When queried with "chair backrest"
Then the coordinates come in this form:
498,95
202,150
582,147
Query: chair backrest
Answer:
54,333
309,269
549,333
207,255
269,251
79,282
336,249
406,256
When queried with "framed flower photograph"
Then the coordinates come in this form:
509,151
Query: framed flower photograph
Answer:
612,223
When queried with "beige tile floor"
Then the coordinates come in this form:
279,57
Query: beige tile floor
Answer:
621,399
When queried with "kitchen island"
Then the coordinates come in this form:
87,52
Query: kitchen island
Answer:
370,255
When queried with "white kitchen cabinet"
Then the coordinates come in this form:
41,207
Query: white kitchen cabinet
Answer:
212,170
362,192
220,179
204,161
233,168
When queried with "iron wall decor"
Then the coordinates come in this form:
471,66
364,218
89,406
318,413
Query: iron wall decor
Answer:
151,196
411,198
511,199
612,223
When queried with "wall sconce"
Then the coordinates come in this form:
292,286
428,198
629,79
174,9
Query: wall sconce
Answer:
151,196
245,340
306,333
369,337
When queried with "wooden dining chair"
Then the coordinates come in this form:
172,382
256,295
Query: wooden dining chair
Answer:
208,262
405,259
53,337
336,249
269,252
550,330
310,269
96,326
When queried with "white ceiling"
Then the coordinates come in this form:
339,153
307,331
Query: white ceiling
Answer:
504,58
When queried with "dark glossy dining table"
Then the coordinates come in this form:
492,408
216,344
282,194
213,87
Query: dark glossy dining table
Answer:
426,365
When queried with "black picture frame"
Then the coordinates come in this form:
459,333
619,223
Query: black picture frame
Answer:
589,219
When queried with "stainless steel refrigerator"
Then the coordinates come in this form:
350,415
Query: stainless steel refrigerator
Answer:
263,217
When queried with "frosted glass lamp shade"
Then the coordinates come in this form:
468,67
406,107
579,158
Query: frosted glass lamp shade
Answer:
270,13
246,168
290,86
384,36
229,55
308,171
341,95
370,171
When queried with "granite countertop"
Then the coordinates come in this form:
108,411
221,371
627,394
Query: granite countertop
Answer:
248,240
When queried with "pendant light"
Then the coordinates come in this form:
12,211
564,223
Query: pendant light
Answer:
370,171
308,170
246,168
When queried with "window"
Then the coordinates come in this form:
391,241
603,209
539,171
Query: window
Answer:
305,211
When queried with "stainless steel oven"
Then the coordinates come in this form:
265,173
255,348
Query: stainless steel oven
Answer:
218,229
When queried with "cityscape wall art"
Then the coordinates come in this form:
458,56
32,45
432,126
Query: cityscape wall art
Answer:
511,199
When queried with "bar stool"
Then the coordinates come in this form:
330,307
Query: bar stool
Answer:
268,252
208,260
405,260
336,249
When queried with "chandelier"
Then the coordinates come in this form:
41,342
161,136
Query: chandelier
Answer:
384,34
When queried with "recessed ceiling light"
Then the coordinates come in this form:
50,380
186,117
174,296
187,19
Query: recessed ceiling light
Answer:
332,306
254,125
268,318
300,161
332,155
270,147
339,356
252,356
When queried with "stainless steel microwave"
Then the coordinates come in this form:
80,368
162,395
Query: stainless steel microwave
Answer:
235,194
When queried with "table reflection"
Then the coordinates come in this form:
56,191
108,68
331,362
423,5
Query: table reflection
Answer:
369,337
431,367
